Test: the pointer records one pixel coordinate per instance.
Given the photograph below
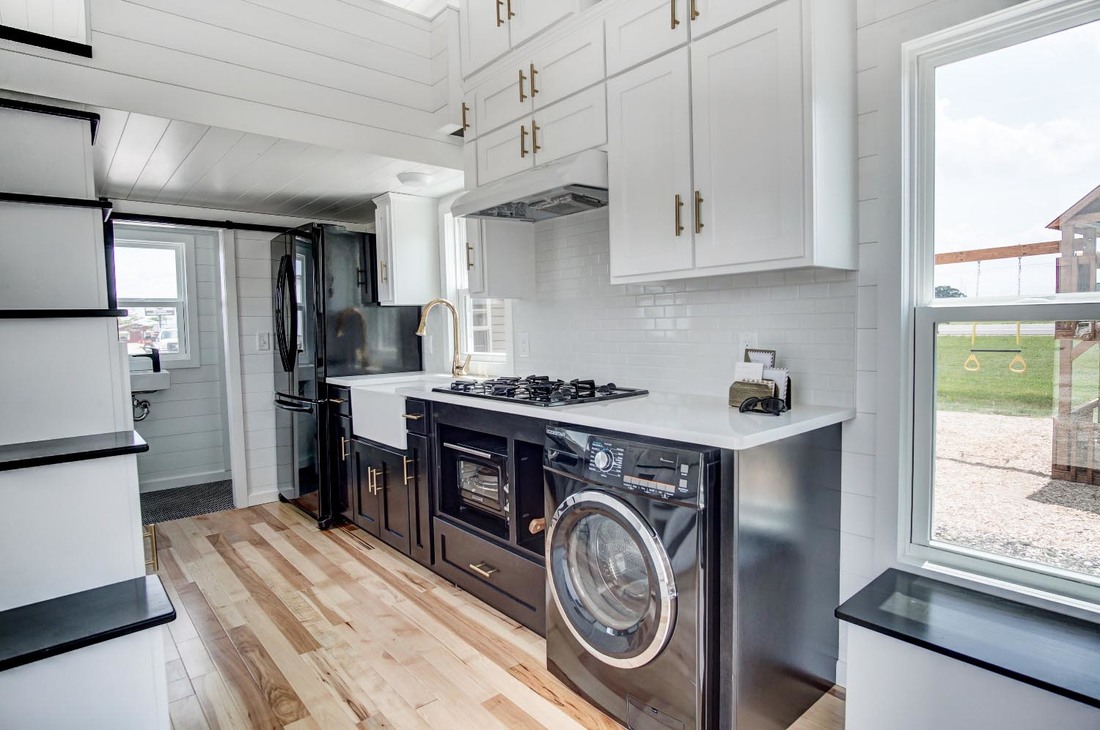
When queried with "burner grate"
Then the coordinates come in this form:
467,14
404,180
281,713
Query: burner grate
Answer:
541,390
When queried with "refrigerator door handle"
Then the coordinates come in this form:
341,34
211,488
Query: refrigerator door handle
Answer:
286,298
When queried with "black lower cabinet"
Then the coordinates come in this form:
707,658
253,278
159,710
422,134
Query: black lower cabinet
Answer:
420,512
511,583
383,488
342,467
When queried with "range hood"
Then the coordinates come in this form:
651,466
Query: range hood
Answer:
569,186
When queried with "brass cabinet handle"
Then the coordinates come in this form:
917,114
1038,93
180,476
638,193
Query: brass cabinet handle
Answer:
337,401
412,416
469,265
675,20
343,449
385,272
679,215
483,569
500,6
465,122
698,212
522,78
370,481
523,140
535,136
694,10
405,461
534,90
510,13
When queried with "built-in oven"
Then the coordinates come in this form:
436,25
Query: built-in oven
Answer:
481,474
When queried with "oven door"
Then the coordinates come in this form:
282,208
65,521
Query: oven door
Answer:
482,479
611,579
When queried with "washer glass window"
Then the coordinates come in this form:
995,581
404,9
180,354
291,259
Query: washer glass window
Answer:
609,572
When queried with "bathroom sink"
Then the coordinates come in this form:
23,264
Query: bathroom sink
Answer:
149,382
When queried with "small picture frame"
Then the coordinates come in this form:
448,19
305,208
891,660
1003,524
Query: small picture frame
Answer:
764,357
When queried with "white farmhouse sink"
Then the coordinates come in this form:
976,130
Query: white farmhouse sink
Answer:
377,410
146,381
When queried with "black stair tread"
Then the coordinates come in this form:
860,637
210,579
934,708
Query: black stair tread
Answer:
41,630
74,448
57,111
1037,646
60,313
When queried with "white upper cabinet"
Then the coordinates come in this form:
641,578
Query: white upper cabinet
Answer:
748,166
407,234
563,68
649,167
490,28
709,15
643,29
500,259
528,18
505,152
469,121
757,149
483,32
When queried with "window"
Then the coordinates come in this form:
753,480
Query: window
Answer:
1005,212
155,283
486,323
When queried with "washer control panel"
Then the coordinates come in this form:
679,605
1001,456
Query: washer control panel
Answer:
613,461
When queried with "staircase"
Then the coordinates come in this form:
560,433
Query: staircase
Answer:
81,624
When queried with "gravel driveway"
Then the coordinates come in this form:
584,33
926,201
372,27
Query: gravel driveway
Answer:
994,493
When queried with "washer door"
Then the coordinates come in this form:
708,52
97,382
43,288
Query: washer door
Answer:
611,579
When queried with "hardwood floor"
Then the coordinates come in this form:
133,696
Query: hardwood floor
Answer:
283,626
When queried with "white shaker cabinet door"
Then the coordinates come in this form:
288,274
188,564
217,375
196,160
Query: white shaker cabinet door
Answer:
483,33
502,99
475,258
649,167
531,17
643,29
708,15
504,152
383,228
567,66
570,126
749,138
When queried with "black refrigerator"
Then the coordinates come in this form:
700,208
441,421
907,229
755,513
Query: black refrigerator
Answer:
327,324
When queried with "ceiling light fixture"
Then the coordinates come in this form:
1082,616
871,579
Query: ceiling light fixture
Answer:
414,179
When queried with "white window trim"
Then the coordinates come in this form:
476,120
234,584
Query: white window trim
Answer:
920,60
141,235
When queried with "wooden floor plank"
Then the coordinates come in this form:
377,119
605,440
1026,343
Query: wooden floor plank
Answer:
281,625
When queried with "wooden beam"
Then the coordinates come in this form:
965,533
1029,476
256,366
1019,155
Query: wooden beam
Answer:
1000,252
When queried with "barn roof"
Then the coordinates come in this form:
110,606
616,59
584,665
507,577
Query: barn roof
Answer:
1088,204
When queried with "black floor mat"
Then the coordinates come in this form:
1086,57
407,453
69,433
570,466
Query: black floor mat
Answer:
175,504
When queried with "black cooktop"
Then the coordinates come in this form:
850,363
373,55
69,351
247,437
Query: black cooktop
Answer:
541,390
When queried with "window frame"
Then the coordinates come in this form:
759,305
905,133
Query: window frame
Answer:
921,58
187,318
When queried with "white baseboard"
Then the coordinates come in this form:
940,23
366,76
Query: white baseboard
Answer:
186,480
270,495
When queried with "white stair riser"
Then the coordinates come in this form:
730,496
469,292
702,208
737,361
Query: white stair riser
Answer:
76,526
61,377
53,257
45,155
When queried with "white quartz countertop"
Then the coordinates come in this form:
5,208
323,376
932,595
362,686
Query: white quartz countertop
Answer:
695,419
354,380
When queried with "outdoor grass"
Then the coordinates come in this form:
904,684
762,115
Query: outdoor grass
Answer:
996,389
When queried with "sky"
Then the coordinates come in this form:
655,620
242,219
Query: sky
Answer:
1017,143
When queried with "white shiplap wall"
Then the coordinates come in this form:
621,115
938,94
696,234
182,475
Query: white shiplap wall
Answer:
254,289
186,427
680,336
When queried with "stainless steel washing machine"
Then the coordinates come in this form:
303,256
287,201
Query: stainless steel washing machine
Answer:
629,554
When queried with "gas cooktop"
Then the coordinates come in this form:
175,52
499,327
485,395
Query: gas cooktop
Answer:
540,390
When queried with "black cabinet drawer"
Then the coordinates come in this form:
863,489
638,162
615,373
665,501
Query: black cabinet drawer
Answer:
339,400
416,416
513,585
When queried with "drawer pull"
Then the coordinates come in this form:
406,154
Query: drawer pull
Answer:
405,461
344,449
522,78
337,401
675,20
412,416
465,122
483,569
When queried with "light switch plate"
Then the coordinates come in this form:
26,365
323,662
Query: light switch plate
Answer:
263,341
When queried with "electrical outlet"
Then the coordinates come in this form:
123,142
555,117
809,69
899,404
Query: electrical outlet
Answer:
524,345
747,341
263,341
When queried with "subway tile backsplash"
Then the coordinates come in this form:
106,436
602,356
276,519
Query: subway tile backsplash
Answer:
681,336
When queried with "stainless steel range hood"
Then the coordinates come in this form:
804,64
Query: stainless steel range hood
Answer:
569,186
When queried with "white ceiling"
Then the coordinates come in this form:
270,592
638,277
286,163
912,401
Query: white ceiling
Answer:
427,8
150,159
